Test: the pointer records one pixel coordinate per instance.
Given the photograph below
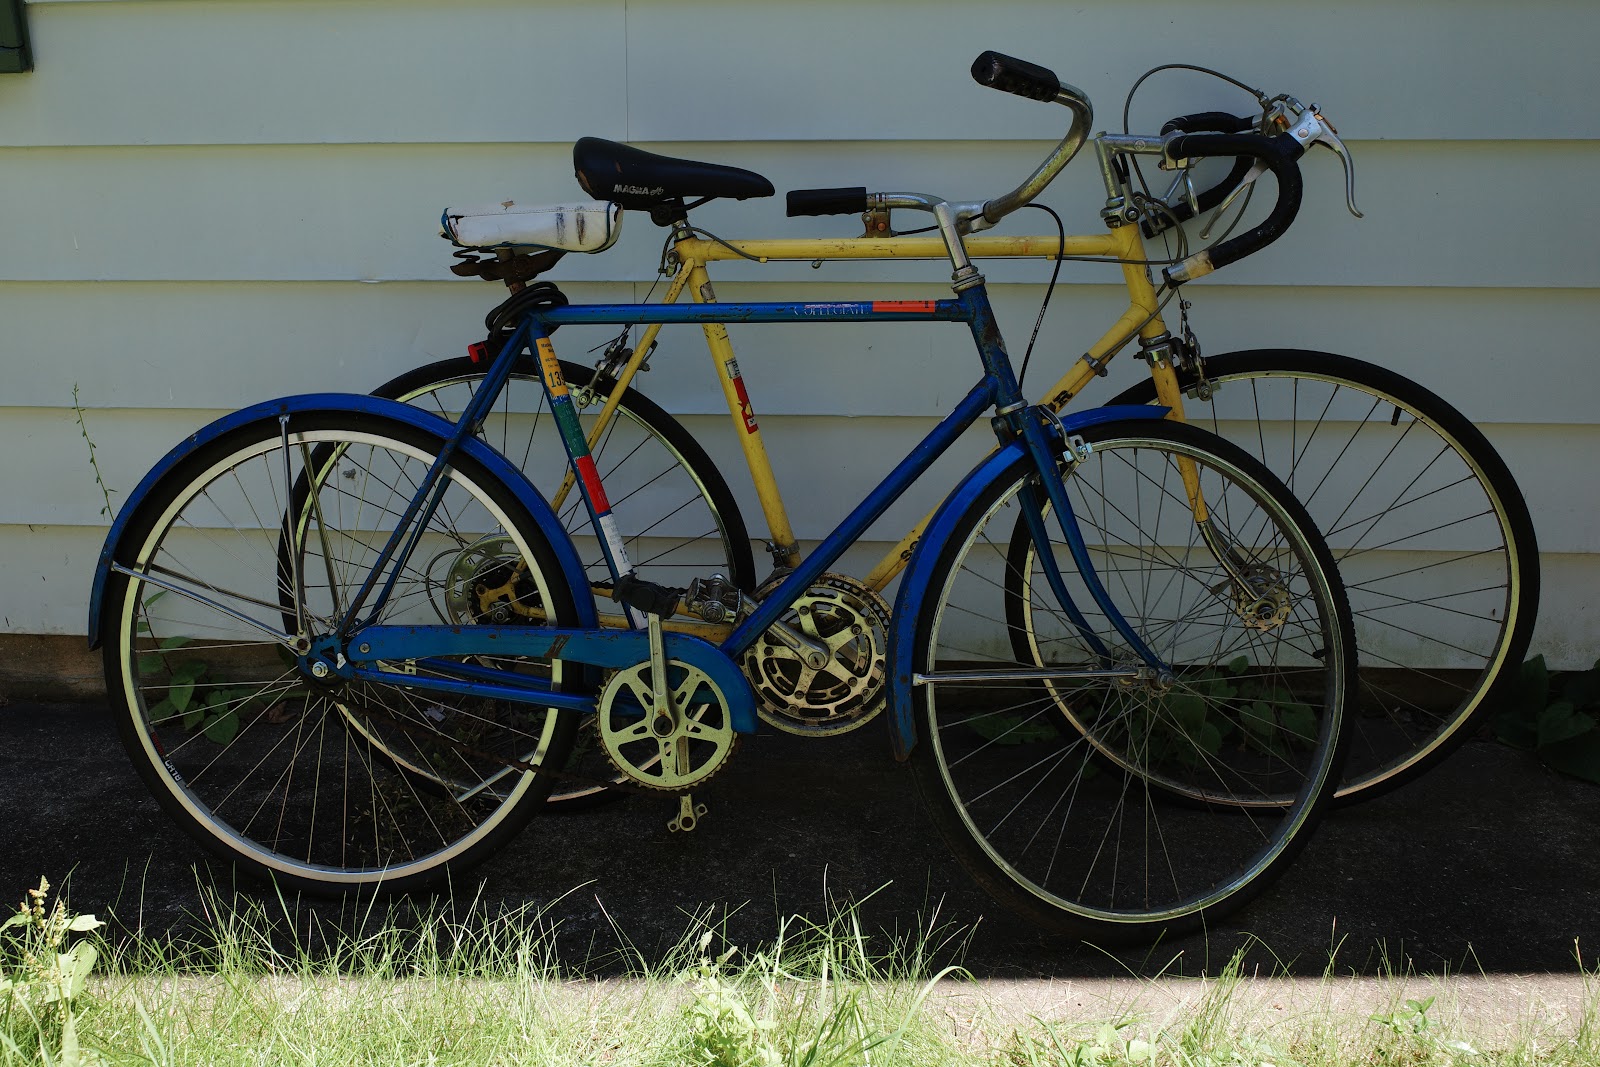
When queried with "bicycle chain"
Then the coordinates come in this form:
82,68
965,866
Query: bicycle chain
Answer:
528,768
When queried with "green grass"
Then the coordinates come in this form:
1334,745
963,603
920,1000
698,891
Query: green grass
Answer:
459,986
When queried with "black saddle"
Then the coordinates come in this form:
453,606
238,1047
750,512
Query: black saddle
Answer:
659,184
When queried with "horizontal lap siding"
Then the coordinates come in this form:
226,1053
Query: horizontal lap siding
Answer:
232,200
1438,214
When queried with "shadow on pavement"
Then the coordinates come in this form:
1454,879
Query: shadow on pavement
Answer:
1488,864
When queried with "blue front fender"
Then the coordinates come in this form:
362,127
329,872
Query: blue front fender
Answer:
916,584
498,465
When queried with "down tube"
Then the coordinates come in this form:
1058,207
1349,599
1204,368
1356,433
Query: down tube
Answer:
929,449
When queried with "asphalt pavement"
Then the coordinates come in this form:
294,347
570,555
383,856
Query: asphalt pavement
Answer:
1487,865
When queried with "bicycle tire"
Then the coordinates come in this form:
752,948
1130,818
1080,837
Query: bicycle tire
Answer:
258,761
1436,645
444,388
1045,790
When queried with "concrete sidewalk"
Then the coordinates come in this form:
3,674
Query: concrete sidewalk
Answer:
1489,865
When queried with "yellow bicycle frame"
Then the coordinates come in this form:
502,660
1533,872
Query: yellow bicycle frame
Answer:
1142,319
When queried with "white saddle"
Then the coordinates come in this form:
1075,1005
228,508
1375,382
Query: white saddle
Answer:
590,226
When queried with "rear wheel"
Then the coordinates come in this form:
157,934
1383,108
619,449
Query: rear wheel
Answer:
1097,796
319,784
1432,536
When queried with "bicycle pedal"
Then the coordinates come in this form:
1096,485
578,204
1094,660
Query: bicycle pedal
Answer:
688,817
648,597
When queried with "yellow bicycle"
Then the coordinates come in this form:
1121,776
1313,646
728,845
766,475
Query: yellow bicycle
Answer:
1431,532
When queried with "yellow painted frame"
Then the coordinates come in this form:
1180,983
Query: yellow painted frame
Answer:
1141,319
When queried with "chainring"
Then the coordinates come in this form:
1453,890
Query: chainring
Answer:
675,752
853,622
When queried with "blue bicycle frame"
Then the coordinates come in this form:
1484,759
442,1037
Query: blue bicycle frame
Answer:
1015,424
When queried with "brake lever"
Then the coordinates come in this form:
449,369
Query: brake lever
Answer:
1310,127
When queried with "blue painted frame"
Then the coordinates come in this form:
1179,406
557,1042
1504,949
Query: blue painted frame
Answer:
1017,427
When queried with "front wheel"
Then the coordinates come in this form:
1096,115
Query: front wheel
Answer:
1096,795
316,784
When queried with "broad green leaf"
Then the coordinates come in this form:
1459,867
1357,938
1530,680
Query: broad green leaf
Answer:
181,694
1299,721
1210,739
1257,719
167,644
149,663
189,672
1010,728
1562,722
1514,730
1239,665
161,710
223,728
195,716
1582,688
80,923
76,963
1188,711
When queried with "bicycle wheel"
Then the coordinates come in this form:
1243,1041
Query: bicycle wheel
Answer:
326,787
1112,806
1431,533
672,505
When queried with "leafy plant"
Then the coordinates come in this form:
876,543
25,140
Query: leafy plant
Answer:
1416,1037
40,977
205,705
94,464
1554,716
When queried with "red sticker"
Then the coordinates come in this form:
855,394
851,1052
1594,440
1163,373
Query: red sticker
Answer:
904,305
591,484
745,408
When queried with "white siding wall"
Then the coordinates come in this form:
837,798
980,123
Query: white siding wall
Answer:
210,202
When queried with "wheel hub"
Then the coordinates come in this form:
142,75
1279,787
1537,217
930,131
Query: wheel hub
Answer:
487,582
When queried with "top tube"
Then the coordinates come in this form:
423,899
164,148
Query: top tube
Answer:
814,311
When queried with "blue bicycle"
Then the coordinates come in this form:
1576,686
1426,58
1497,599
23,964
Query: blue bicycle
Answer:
351,644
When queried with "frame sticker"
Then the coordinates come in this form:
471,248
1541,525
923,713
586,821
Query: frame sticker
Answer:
746,410
551,367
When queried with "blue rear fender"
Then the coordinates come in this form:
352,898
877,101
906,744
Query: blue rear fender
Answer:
917,581
497,465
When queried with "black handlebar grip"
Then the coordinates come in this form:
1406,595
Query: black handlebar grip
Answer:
1281,154
851,201
1016,76
1208,122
